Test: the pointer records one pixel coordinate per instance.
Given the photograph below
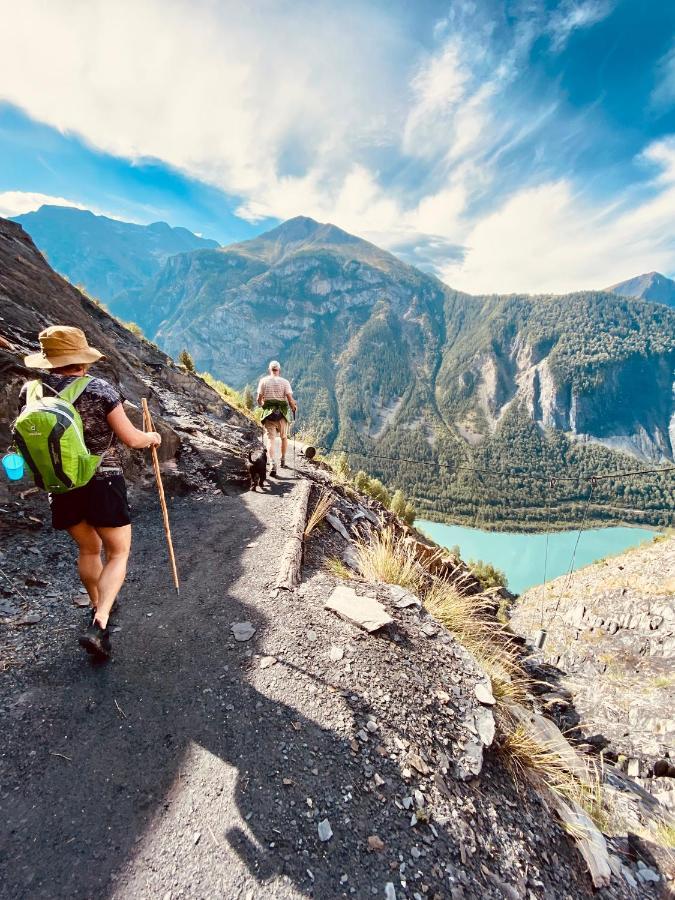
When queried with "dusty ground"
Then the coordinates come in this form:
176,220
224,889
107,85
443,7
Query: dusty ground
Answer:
194,766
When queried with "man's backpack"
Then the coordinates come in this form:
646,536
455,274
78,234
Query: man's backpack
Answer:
49,435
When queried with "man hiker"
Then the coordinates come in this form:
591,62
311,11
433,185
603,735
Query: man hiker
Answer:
276,398
96,515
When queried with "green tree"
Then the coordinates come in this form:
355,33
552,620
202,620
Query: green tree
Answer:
487,574
398,503
378,491
410,513
248,398
341,465
185,359
361,482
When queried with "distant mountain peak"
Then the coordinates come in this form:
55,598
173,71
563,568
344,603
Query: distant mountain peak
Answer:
303,228
301,235
651,286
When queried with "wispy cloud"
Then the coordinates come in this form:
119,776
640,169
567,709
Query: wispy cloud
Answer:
551,239
663,94
572,15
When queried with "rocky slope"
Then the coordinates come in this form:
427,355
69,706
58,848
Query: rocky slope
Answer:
255,742
652,286
190,415
108,257
611,632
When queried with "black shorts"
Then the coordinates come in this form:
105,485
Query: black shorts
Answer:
102,503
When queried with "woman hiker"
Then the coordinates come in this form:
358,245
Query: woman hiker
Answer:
96,516
275,396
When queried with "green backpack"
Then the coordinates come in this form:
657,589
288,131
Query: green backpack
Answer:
50,437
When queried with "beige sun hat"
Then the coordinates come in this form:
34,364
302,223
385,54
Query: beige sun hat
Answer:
62,345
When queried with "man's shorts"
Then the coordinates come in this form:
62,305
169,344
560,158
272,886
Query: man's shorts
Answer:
278,427
102,502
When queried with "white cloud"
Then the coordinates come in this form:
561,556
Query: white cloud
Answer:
549,239
663,95
221,91
15,203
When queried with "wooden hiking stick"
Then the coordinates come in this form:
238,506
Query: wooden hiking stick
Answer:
147,426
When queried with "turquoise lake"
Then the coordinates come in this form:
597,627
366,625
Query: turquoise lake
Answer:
521,556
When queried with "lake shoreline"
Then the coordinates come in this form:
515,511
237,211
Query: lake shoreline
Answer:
555,528
527,559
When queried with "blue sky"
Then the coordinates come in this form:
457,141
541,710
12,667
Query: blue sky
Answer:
507,145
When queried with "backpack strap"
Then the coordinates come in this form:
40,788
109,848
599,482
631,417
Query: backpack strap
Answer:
34,391
72,391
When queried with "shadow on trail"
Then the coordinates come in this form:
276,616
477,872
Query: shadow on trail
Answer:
174,772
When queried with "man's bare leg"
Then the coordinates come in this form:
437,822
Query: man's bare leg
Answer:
116,545
89,565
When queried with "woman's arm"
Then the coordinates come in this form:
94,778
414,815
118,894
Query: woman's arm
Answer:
127,432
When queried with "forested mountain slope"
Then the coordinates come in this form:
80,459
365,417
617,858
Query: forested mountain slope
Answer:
388,361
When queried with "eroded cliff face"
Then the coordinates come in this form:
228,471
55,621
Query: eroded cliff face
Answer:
631,409
611,631
234,313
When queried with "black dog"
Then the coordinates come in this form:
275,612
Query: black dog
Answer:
256,466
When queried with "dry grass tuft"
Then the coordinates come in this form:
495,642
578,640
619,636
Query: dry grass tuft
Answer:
467,617
323,506
336,567
524,754
387,558
664,834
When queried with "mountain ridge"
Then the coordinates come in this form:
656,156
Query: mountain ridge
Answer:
107,256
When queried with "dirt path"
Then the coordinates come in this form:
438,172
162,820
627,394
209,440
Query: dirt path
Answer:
169,747
196,766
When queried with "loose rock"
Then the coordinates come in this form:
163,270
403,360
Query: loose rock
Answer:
484,694
325,831
242,631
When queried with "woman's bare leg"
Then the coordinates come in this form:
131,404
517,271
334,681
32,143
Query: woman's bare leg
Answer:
89,563
116,546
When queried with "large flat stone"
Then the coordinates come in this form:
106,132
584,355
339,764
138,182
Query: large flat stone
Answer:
366,612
